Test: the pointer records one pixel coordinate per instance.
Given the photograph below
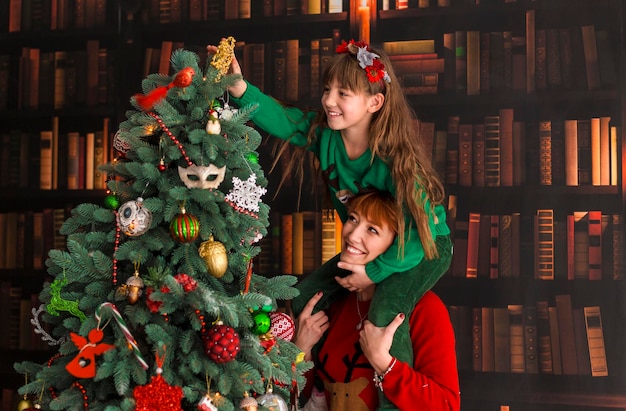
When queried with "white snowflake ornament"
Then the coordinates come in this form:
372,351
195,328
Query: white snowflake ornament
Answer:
245,195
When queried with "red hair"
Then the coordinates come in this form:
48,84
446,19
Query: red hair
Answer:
379,207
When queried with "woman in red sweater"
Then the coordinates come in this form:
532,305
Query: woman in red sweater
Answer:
353,364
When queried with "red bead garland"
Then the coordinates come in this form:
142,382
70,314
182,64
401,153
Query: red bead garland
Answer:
118,235
172,137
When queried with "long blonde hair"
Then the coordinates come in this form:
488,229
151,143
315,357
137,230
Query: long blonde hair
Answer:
394,139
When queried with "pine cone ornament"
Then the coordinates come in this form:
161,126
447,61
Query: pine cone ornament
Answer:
221,343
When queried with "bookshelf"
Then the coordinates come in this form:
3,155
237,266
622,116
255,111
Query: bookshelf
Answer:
528,185
58,81
136,36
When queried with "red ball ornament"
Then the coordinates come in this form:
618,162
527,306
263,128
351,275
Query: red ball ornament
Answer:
283,326
162,166
185,228
221,343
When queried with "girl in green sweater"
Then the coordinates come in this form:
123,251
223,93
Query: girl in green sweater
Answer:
364,139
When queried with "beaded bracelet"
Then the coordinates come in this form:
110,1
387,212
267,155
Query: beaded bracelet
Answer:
378,378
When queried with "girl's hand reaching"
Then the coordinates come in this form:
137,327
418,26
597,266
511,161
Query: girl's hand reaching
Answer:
357,281
238,88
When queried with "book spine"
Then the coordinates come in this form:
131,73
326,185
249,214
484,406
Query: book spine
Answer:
617,225
591,56
566,334
516,334
541,68
477,339
492,151
545,153
45,160
595,340
473,240
452,151
581,245
544,245
478,155
506,146
505,242
298,243
582,345
530,339
484,60
557,152
519,153
494,246
571,152
460,38
605,151
584,152
501,340
488,348
473,62
544,343
465,155
530,52
459,258
595,150
595,244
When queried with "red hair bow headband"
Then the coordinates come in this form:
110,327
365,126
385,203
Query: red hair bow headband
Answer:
368,60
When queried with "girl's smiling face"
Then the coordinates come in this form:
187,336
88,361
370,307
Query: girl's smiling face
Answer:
347,109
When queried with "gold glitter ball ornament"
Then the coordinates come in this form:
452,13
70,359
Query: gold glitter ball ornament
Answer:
214,255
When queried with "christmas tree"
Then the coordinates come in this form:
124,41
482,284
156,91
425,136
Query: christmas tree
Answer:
154,304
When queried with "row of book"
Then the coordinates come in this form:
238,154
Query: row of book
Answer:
541,59
588,245
51,159
16,305
29,235
499,150
549,338
58,79
299,242
181,11
44,15
423,4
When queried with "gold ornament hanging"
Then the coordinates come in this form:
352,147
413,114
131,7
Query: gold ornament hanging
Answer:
133,289
214,255
24,404
224,56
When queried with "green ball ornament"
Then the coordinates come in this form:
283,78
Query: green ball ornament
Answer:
253,158
111,202
262,322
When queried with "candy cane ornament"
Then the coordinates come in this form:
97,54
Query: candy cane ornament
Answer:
122,324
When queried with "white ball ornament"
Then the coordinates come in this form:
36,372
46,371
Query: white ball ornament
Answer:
272,401
133,218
